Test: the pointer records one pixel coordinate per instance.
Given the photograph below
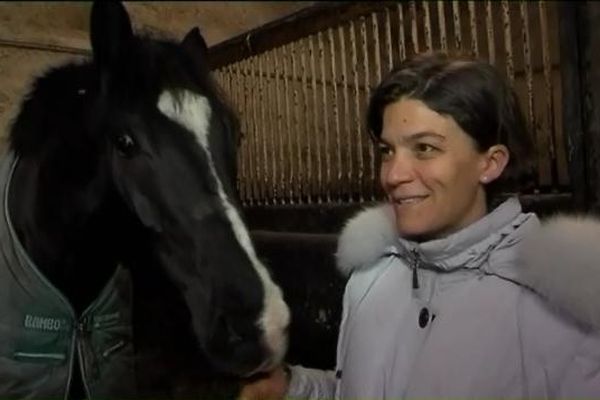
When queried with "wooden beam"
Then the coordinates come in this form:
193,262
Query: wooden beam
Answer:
590,60
305,22
569,25
20,44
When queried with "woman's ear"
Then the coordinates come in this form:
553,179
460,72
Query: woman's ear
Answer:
495,161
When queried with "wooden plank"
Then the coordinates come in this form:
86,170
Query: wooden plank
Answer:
571,58
591,116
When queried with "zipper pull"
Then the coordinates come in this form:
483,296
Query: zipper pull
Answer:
415,267
82,325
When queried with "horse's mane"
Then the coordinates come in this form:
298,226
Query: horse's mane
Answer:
53,108
57,98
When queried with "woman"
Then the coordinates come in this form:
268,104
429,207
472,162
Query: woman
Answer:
450,295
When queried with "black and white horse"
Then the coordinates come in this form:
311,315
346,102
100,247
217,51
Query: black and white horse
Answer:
129,160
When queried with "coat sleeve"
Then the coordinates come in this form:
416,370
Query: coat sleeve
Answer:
316,384
582,375
311,384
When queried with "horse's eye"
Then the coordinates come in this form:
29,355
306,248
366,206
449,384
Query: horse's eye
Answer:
126,145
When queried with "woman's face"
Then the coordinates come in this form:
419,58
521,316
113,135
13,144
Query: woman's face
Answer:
431,171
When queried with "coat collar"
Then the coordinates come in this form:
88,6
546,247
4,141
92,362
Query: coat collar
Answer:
557,258
471,247
372,234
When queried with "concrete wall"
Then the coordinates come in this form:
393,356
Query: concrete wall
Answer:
61,28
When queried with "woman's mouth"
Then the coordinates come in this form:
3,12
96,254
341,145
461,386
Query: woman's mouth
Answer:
406,200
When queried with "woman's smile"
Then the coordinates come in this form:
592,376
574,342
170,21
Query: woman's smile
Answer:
409,200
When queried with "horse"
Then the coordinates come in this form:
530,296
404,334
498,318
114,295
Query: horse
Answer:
127,270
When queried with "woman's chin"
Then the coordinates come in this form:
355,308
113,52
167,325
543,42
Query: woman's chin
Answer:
419,231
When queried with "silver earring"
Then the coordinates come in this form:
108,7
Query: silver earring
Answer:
484,179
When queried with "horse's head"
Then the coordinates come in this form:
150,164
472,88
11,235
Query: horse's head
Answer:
170,147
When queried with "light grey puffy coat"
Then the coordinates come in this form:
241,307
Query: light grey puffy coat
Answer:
505,308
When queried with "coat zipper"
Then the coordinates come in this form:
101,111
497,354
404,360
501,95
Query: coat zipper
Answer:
415,261
81,331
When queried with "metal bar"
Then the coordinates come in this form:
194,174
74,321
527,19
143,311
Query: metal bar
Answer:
232,99
473,23
261,136
241,169
278,52
427,26
510,69
255,142
442,23
388,40
252,142
549,91
377,48
347,123
299,177
457,27
269,129
327,188
357,109
288,122
240,79
313,134
376,44
528,76
365,53
242,115
401,36
233,95
413,26
285,137
336,116
489,24
309,170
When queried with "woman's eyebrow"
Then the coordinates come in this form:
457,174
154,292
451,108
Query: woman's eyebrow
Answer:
413,137
426,134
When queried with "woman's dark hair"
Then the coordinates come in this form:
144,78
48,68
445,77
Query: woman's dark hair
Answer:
475,95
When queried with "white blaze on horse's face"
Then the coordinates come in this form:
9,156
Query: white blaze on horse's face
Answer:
193,112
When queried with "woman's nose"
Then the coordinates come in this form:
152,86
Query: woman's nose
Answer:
397,170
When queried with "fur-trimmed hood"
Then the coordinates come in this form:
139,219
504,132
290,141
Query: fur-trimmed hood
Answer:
559,258
561,261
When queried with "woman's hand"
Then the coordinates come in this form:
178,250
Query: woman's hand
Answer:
271,386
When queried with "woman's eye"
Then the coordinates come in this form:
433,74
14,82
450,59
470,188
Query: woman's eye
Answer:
424,148
126,145
384,150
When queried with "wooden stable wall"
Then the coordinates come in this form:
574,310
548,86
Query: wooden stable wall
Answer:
302,93
580,49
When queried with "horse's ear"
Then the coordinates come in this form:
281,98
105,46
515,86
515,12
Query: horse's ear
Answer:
110,30
196,46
